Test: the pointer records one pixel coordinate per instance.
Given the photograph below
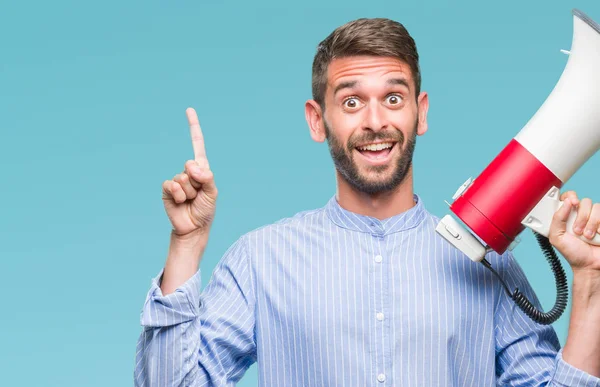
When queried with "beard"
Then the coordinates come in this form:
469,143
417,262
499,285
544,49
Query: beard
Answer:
383,180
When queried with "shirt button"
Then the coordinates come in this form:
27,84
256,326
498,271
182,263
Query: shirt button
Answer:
378,258
380,316
381,378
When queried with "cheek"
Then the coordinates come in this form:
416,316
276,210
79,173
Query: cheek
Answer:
343,128
407,125
404,119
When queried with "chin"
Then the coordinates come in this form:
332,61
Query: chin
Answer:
376,185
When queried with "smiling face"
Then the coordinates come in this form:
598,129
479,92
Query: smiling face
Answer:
370,118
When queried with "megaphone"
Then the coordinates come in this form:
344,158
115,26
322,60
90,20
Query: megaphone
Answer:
520,188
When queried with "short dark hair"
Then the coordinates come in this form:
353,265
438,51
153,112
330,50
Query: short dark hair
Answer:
374,37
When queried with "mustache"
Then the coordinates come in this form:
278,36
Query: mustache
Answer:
390,136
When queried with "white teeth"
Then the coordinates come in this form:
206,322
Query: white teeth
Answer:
376,147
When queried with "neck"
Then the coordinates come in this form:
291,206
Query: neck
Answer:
380,205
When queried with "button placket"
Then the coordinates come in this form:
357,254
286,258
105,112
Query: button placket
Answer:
382,360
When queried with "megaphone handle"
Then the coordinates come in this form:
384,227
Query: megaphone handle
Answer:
572,216
540,218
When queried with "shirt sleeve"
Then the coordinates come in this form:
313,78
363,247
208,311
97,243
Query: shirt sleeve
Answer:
528,353
200,339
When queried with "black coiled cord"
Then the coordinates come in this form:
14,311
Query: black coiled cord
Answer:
562,291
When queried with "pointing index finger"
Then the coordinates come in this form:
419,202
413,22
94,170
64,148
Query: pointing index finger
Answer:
196,133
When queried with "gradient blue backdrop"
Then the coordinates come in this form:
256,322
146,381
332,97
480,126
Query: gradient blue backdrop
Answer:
92,102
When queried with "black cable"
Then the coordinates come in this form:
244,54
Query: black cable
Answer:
562,291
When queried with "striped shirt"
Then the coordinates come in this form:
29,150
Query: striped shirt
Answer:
333,298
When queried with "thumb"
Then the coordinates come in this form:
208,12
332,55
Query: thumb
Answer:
559,220
207,179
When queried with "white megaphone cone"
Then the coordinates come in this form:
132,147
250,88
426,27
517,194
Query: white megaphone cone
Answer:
565,132
520,187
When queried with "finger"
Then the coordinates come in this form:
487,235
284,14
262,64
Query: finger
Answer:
559,220
194,171
570,194
166,189
196,134
583,214
173,190
201,178
207,179
178,193
184,181
593,222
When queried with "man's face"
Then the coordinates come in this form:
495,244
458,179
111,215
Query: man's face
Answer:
371,121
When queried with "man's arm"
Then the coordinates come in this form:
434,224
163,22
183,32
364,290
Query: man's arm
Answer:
190,203
527,353
200,339
582,348
188,338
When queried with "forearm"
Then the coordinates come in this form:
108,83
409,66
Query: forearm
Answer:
183,260
582,348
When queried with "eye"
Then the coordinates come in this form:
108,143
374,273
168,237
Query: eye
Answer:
351,103
394,99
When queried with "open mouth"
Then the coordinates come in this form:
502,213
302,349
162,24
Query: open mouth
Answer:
377,153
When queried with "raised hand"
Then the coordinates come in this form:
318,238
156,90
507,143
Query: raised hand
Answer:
190,197
579,254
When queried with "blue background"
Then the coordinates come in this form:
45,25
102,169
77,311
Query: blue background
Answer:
92,114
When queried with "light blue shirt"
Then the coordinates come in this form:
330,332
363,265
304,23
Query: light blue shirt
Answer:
332,298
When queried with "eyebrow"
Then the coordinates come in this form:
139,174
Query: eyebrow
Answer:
352,84
398,81
345,85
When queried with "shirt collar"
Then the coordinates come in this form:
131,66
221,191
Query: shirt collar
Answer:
357,222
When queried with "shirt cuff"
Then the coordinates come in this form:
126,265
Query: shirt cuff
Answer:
567,375
178,307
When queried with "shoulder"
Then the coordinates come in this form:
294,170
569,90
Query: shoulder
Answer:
301,221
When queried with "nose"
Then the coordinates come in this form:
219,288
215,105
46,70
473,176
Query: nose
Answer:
376,119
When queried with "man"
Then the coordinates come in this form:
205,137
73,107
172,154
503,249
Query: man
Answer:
361,292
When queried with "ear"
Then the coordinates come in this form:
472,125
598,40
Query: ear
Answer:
422,107
314,118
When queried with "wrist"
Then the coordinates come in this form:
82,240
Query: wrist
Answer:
586,282
585,310
188,247
190,239
185,254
